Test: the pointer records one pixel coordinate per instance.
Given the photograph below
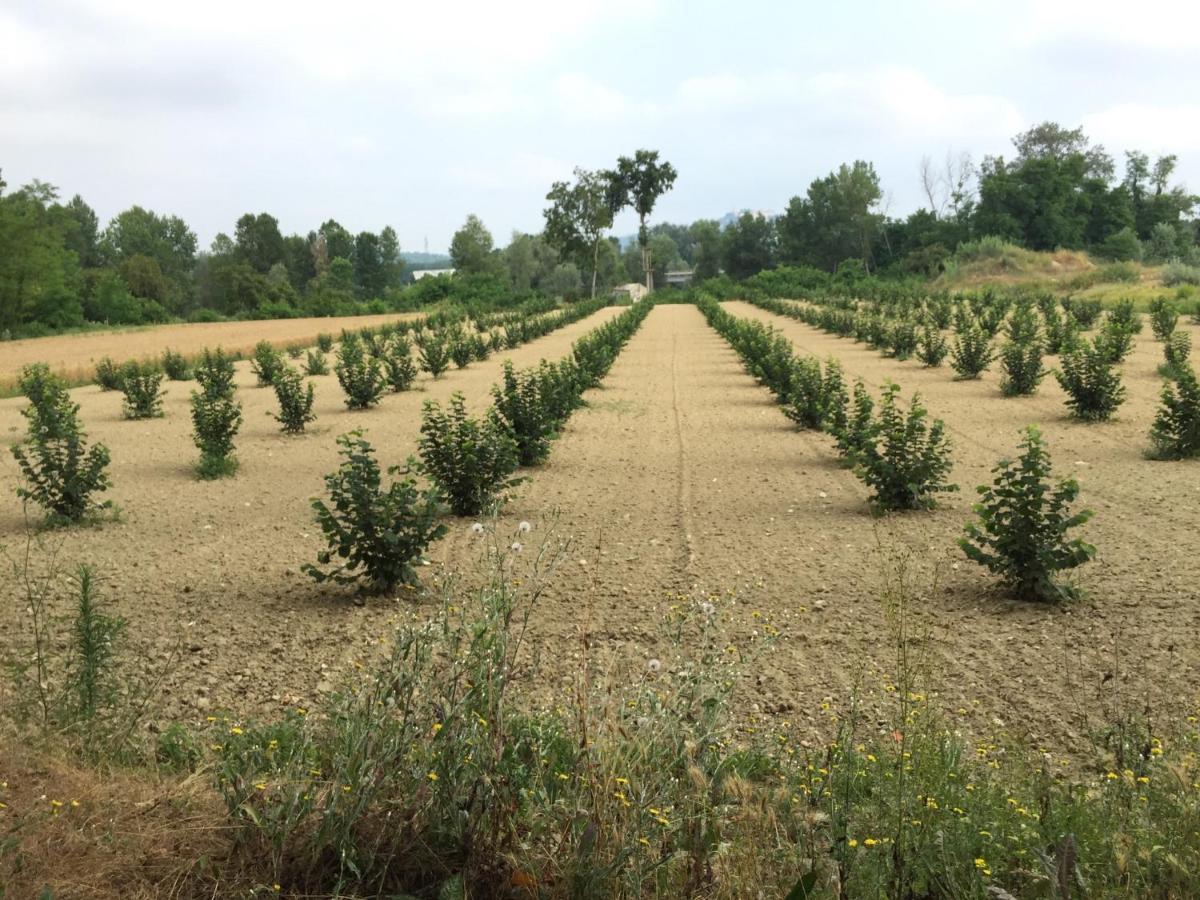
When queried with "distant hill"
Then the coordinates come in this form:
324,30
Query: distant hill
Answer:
414,260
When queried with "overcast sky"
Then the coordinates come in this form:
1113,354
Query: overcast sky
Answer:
414,116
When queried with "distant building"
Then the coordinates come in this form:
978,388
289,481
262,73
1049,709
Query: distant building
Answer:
634,291
679,277
425,273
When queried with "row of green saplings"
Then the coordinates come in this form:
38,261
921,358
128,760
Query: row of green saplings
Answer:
1088,370
905,458
374,535
63,472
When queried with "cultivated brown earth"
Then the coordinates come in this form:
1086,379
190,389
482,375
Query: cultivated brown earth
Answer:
74,356
681,483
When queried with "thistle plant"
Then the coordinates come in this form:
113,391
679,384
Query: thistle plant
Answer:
375,536
1092,383
266,364
140,385
1175,433
932,346
295,401
471,461
904,458
60,470
972,352
359,375
315,363
214,373
1023,522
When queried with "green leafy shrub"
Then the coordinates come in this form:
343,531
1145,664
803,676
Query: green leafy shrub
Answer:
325,342
972,352
856,433
902,339
315,363
175,366
398,366
519,405
1115,341
435,356
1175,433
214,373
1062,331
373,535
462,350
1021,364
1023,523
216,419
470,460
1086,312
61,471
804,402
1164,317
108,375
1124,315
932,347
295,401
140,385
903,458
1092,382
1176,350
359,375
266,363
1175,273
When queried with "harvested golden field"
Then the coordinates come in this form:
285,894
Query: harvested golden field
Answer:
74,356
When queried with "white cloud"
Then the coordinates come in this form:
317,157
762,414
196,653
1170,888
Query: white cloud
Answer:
582,97
525,171
1154,128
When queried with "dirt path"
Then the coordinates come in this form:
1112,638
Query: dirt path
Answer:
216,565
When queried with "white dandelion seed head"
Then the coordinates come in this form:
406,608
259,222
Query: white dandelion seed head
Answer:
477,528
707,608
653,665
524,528
517,547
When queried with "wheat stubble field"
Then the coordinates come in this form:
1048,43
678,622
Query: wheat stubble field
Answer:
680,480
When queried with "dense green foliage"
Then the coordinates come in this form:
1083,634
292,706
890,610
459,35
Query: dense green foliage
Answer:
1023,523
140,383
60,470
267,363
359,373
1175,433
470,460
374,535
1092,382
295,400
214,373
216,418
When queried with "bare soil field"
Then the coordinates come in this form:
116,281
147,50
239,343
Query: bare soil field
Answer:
680,482
74,356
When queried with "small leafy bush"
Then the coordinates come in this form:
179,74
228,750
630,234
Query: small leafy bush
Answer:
904,458
359,375
61,471
398,366
214,372
315,363
1084,311
519,405
295,401
1021,364
295,352
1123,314
856,432
266,364
1163,318
1115,341
1176,350
1175,433
435,356
325,342
462,349
140,384
804,402
1023,523
175,366
1092,383
902,340
1062,331
471,461
108,375
216,419
932,347
374,535
972,352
